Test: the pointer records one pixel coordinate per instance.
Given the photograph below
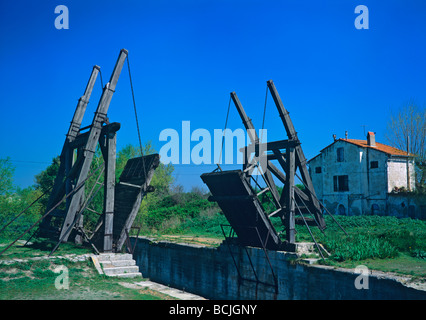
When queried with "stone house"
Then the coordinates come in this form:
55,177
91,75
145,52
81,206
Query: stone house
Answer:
355,177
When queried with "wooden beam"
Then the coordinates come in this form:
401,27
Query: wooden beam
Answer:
269,146
58,190
300,157
109,187
282,177
289,196
95,131
255,140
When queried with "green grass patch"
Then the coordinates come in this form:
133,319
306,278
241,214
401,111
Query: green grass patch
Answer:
35,280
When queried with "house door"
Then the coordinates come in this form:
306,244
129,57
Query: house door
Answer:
341,210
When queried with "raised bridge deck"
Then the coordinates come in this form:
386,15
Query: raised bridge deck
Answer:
242,208
129,192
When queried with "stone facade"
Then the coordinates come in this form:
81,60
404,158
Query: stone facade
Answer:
355,177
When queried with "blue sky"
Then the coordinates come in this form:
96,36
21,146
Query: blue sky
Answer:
187,56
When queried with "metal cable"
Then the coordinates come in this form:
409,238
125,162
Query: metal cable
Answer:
136,116
224,130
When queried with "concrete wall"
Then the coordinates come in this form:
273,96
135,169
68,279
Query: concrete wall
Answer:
403,205
211,273
397,174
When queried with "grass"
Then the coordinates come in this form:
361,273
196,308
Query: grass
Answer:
404,264
385,244
41,247
35,279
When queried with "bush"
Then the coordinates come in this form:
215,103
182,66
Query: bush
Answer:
173,212
359,247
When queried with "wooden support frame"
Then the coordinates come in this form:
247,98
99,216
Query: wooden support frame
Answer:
92,140
255,140
299,155
62,184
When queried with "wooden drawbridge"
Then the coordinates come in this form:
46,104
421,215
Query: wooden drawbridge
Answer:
70,196
239,201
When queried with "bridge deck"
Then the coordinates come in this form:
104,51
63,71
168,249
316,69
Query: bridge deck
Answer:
242,208
129,193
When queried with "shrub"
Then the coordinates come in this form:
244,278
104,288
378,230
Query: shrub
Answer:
359,247
172,212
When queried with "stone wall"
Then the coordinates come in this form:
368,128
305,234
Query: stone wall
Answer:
211,273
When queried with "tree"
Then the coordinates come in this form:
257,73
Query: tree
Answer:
406,130
6,176
13,201
45,179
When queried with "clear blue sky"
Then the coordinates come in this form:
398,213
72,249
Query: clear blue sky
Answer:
187,56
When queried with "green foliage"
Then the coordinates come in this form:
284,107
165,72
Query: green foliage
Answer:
374,237
418,253
46,178
359,247
174,212
6,176
13,200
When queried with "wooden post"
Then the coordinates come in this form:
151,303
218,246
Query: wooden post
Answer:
109,186
289,200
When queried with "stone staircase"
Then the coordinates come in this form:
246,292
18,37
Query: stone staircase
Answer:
116,265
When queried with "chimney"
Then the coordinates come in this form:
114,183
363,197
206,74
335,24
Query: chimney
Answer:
346,135
371,139
334,137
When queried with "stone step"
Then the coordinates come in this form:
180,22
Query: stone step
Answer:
120,270
127,275
114,256
117,263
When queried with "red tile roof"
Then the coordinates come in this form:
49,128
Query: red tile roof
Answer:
379,147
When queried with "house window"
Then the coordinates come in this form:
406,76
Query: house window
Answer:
340,155
341,183
318,170
374,164
341,210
